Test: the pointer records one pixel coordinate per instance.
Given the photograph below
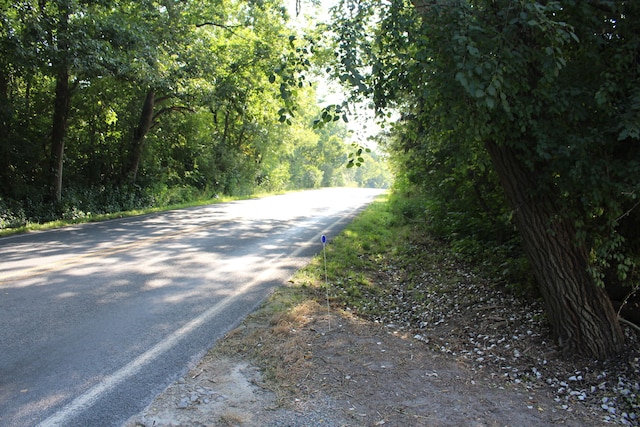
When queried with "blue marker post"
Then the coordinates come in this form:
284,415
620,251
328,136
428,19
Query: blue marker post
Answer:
326,280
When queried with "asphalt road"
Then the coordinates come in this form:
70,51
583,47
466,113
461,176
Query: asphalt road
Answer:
97,319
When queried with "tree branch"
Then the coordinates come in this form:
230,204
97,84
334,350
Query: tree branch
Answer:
215,24
629,211
174,108
229,28
628,323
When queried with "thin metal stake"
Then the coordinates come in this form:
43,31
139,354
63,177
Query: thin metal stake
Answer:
326,280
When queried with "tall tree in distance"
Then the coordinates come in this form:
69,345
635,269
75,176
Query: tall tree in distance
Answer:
70,43
157,34
60,38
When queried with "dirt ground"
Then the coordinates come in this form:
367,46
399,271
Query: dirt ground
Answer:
306,366
442,346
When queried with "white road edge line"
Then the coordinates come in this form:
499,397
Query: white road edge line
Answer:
91,396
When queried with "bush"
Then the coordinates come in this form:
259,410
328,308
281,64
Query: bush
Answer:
489,244
12,214
76,204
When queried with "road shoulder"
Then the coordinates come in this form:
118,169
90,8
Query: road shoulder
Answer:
303,366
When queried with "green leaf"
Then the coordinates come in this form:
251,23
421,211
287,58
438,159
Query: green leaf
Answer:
491,103
505,106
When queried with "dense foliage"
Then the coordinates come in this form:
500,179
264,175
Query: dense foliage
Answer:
516,114
108,106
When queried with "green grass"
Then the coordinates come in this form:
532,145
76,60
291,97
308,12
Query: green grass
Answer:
376,267
353,257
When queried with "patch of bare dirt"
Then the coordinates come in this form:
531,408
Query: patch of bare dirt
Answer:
306,367
442,347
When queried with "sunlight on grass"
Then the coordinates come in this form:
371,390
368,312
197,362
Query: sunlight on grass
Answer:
353,256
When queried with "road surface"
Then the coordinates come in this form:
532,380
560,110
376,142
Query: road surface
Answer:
97,319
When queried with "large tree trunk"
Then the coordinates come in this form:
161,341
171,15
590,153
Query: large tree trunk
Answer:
61,104
58,132
139,134
580,312
5,130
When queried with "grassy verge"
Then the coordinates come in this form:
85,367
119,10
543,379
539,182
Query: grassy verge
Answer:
376,266
350,256
82,219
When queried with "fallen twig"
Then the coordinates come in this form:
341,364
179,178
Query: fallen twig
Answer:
628,323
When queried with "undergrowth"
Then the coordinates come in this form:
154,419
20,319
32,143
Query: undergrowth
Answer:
393,236
97,204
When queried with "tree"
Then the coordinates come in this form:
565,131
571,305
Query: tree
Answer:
511,78
45,27
160,36
138,101
71,43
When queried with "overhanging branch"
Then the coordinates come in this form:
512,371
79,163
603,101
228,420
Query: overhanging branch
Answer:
169,109
229,28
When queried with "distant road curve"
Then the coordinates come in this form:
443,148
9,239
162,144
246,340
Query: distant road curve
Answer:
97,319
